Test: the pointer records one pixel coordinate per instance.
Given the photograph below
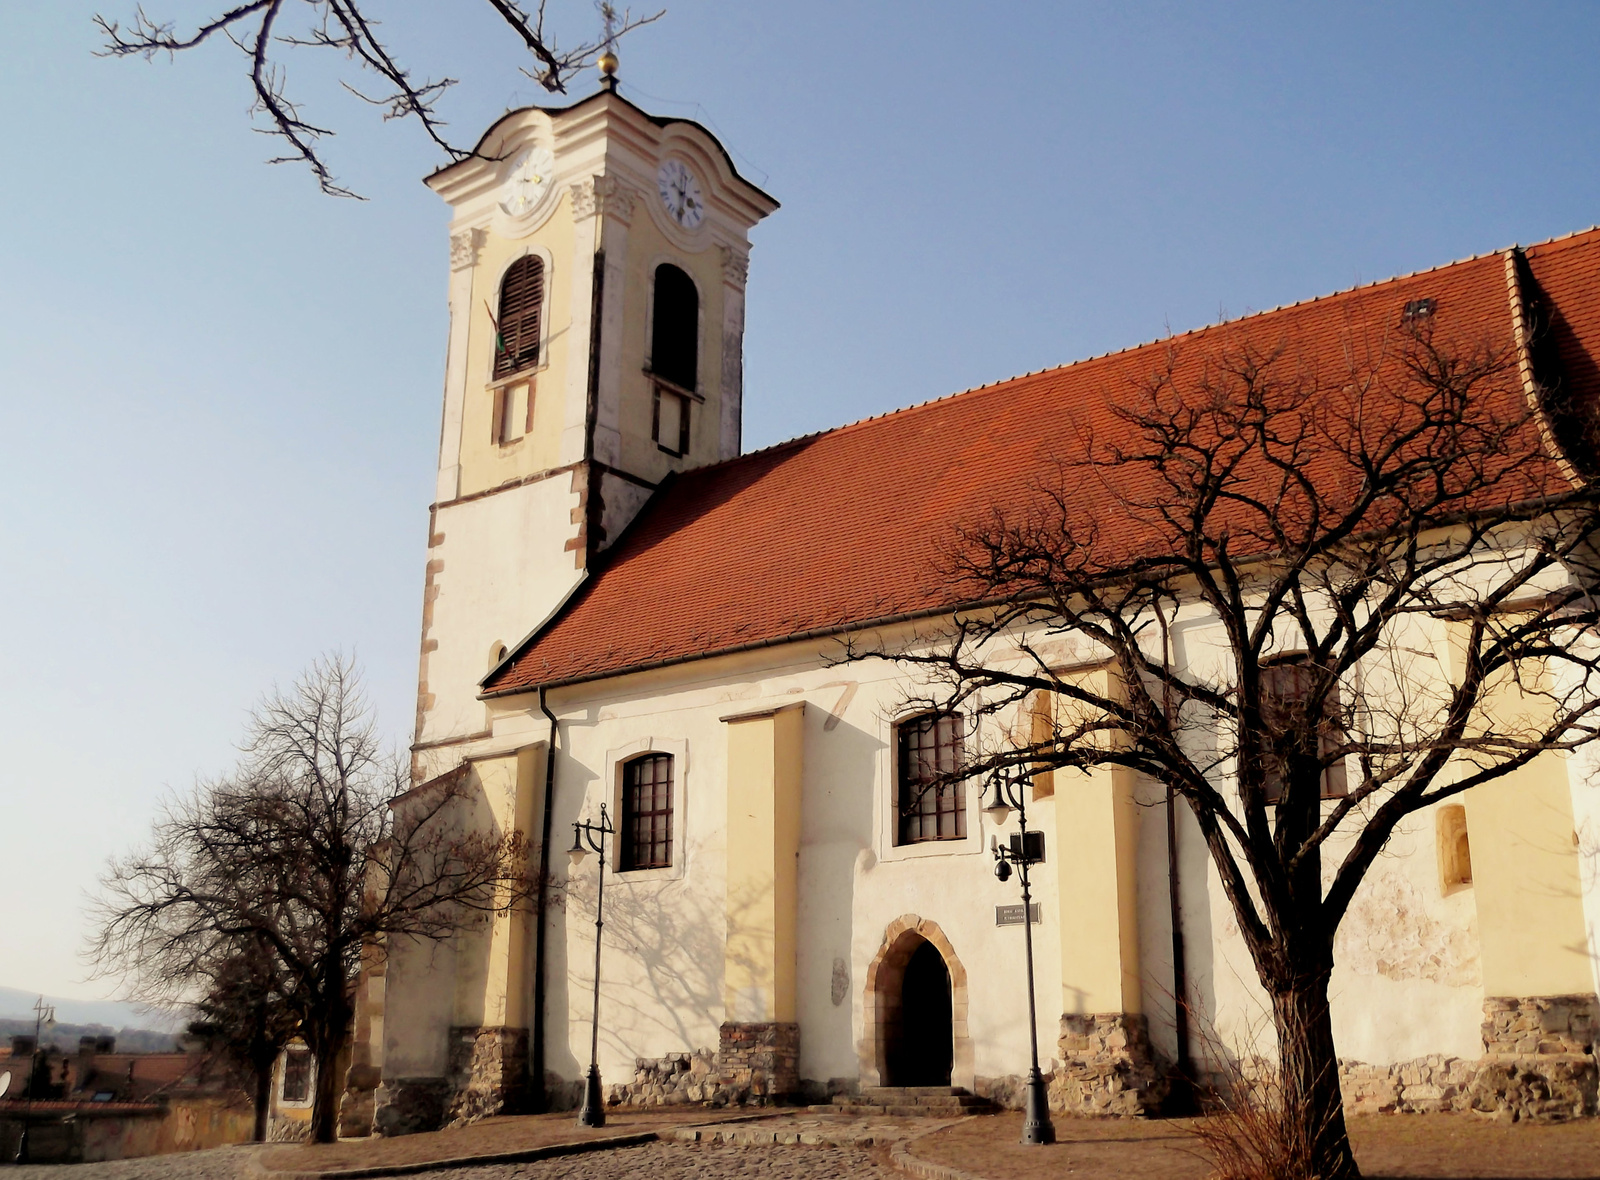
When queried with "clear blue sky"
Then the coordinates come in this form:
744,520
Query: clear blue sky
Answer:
219,390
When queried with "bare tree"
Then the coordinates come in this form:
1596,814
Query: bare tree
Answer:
302,852
261,29
1397,573
244,1018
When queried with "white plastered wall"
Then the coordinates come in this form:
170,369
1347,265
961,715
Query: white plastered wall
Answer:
495,574
1407,982
662,959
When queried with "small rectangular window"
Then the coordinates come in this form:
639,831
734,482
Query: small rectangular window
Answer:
929,747
1285,685
647,813
296,1074
670,421
513,415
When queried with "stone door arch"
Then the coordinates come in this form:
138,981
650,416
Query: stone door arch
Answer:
881,1002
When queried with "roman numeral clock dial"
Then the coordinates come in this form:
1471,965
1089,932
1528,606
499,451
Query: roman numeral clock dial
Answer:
680,194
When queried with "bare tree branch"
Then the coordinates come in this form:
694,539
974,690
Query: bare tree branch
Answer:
342,25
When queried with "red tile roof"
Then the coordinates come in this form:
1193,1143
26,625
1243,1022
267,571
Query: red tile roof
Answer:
845,528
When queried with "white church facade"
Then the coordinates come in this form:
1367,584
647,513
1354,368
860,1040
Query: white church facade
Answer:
622,609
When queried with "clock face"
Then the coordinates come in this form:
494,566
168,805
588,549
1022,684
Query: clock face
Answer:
680,194
527,181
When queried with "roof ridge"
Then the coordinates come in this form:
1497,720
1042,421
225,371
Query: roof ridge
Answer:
1114,352
1131,348
1558,238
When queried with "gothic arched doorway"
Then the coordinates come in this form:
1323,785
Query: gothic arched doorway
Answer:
921,1054
915,1027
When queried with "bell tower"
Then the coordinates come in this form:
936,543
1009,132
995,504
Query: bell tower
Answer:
597,268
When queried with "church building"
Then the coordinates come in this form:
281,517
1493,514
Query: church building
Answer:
624,609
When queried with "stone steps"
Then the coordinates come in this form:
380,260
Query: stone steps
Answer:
908,1102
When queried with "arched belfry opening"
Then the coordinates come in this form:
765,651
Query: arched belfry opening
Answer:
915,1010
675,330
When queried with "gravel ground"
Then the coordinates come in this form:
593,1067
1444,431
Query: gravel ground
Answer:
658,1161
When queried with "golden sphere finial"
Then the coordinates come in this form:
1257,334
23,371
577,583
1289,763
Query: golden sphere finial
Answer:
608,64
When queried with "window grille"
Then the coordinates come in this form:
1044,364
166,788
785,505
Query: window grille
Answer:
928,747
516,343
647,812
296,1074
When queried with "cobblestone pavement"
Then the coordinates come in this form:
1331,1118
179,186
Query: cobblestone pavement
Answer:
220,1163
658,1161
691,1161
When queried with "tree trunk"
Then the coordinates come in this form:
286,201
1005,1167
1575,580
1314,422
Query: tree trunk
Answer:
263,1097
326,1089
1313,1107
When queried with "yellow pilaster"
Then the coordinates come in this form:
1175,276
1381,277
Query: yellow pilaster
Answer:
764,777
1526,876
496,995
1096,860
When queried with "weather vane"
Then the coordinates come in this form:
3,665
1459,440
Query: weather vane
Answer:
608,54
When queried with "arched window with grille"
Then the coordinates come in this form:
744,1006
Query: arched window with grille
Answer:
647,812
674,357
516,343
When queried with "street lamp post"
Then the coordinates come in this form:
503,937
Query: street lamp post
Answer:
1010,791
586,838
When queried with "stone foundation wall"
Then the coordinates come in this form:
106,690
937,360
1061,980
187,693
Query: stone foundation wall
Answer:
1539,1058
1009,1091
1527,1026
1538,1065
358,1104
1107,1067
753,1064
408,1105
759,1062
1428,1085
674,1080
488,1073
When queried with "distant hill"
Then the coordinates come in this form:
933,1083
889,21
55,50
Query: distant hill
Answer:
65,1036
16,1004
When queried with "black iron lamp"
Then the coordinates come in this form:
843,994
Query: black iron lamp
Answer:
586,838
1010,787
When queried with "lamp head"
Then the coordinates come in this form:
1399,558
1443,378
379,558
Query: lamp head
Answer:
577,852
998,809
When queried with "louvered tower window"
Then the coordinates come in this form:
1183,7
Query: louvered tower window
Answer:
516,344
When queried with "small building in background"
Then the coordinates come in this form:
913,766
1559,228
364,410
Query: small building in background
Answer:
98,1104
